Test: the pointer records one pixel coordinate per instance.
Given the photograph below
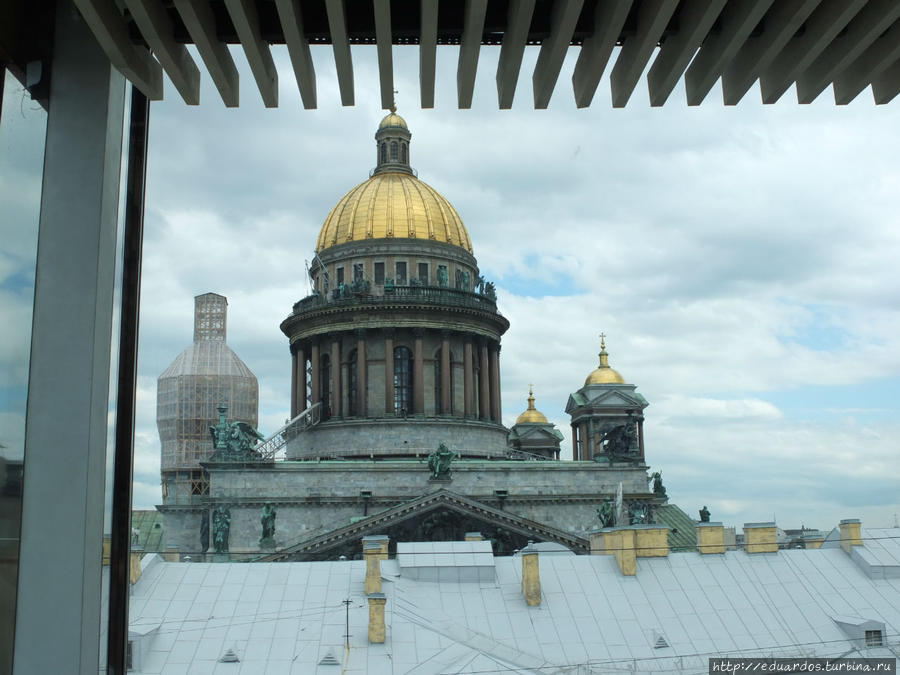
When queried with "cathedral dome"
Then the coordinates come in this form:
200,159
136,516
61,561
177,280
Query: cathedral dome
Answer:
392,120
393,205
604,374
532,415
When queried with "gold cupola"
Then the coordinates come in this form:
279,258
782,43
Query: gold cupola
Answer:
532,415
604,374
393,203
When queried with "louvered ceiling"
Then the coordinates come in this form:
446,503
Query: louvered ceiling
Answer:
846,44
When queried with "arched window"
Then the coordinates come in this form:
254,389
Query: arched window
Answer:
403,153
383,152
325,385
353,384
403,387
394,151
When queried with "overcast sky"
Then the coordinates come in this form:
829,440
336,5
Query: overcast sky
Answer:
742,261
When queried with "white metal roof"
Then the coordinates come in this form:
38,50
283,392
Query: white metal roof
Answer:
287,617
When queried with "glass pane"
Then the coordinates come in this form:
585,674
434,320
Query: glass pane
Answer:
23,127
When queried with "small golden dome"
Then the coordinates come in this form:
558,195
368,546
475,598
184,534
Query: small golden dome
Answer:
393,205
604,374
392,120
532,415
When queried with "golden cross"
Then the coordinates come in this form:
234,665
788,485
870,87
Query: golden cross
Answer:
602,340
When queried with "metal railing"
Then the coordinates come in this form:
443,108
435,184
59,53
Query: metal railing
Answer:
433,295
270,448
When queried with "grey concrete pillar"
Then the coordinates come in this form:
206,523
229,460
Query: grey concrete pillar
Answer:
315,387
389,372
418,375
484,389
468,380
361,373
58,612
337,407
301,380
496,414
294,404
445,373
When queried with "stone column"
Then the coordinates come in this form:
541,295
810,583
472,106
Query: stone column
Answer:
314,372
301,380
575,442
641,436
590,439
361,373
496,414
484,389
337,408
587,443
468,379
293,383
445,373
389,372
418,375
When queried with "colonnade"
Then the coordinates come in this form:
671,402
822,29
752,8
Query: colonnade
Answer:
584,437
480,364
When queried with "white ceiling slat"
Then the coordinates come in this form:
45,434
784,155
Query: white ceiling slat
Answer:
298,49
201,25
870,64
156,27
887,85
246,23
135,63
653,17
609,17
428,52
738,19
340,42
784,19
553,50
518,21
826,22
383,45
695,20
875,18
469,46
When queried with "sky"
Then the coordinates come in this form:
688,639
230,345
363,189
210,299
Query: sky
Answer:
742,262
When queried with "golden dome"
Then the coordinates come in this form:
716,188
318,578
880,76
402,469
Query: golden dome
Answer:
394,205
604,374
392,120
532,415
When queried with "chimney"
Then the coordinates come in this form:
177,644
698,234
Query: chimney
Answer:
651,541
760,538
134,567
710,537
851,534
382,540
531,578
474,536
372,555
172,554
603,542
624,550
376,618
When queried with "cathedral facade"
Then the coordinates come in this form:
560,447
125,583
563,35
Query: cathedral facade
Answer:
396,423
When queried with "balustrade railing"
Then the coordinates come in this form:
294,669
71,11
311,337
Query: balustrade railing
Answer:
436,295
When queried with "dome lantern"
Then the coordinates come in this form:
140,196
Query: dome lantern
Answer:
604,374
532,415
392,144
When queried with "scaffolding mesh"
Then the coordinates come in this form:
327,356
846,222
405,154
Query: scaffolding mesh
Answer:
204,376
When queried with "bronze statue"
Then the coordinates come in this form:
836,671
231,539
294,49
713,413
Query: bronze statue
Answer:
221,529
268,523
607,513
704,515
490,292
443,278
640,513
658,488
235,441
439,462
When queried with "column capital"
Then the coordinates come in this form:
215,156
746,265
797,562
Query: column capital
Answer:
360,333
388,332
418,333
